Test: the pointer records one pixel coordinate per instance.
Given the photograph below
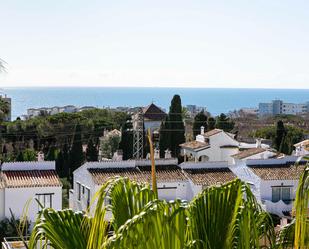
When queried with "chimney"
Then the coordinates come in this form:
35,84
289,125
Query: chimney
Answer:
156,154
202,130
258,143
41,156
167,154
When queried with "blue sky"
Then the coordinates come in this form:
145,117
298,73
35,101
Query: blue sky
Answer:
259,43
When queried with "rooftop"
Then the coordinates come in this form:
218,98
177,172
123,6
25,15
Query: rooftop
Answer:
164,173
212,132
249,152
30,178
194,145
153,112
275,172
210,176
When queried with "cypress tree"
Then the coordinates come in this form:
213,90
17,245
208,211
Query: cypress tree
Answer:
177,129
76,152
280,133
126,143
211,123
52,153
200,120
91,152
284,146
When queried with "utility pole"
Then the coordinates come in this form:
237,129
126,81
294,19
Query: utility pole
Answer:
138,135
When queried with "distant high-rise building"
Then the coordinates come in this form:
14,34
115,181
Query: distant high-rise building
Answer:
277,107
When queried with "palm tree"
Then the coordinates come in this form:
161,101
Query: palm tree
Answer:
226,216
296,234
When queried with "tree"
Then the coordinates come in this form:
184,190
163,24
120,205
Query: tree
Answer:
109,145
200,120
91,152
62,162
175,122
29,155
211,124
4,109
280,134
141,221
224,123
126,143
52,153
76,152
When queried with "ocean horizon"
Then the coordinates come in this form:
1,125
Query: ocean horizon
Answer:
216,100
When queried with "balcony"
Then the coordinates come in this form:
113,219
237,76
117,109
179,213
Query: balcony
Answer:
279,207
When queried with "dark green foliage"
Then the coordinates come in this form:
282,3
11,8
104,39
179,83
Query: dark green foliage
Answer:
126,143
224,123
62,162
58,129
91,152
211,124
173,133
4,109
283,137
52,153
8,228
76,152
199,120
280,134
26,155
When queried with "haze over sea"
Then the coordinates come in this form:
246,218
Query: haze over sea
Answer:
217,100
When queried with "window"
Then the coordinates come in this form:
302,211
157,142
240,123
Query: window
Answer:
79,194
281,193
88,196
46,200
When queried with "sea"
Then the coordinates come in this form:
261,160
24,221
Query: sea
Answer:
216,100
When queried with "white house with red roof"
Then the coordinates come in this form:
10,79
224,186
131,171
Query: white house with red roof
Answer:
302,148
23,182
216,146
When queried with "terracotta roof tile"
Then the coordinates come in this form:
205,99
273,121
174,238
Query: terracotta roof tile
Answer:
101,175
194,145
142,174
212,132
164,173
276,172
249,152
31,178
209,177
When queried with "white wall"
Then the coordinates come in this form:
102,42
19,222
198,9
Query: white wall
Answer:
152,125
17,198
178,190
82,176
1,203
266,190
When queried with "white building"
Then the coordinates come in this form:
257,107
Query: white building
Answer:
205,174
173,181
279,107
23,182
88,179
302,148
215,146
273,181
